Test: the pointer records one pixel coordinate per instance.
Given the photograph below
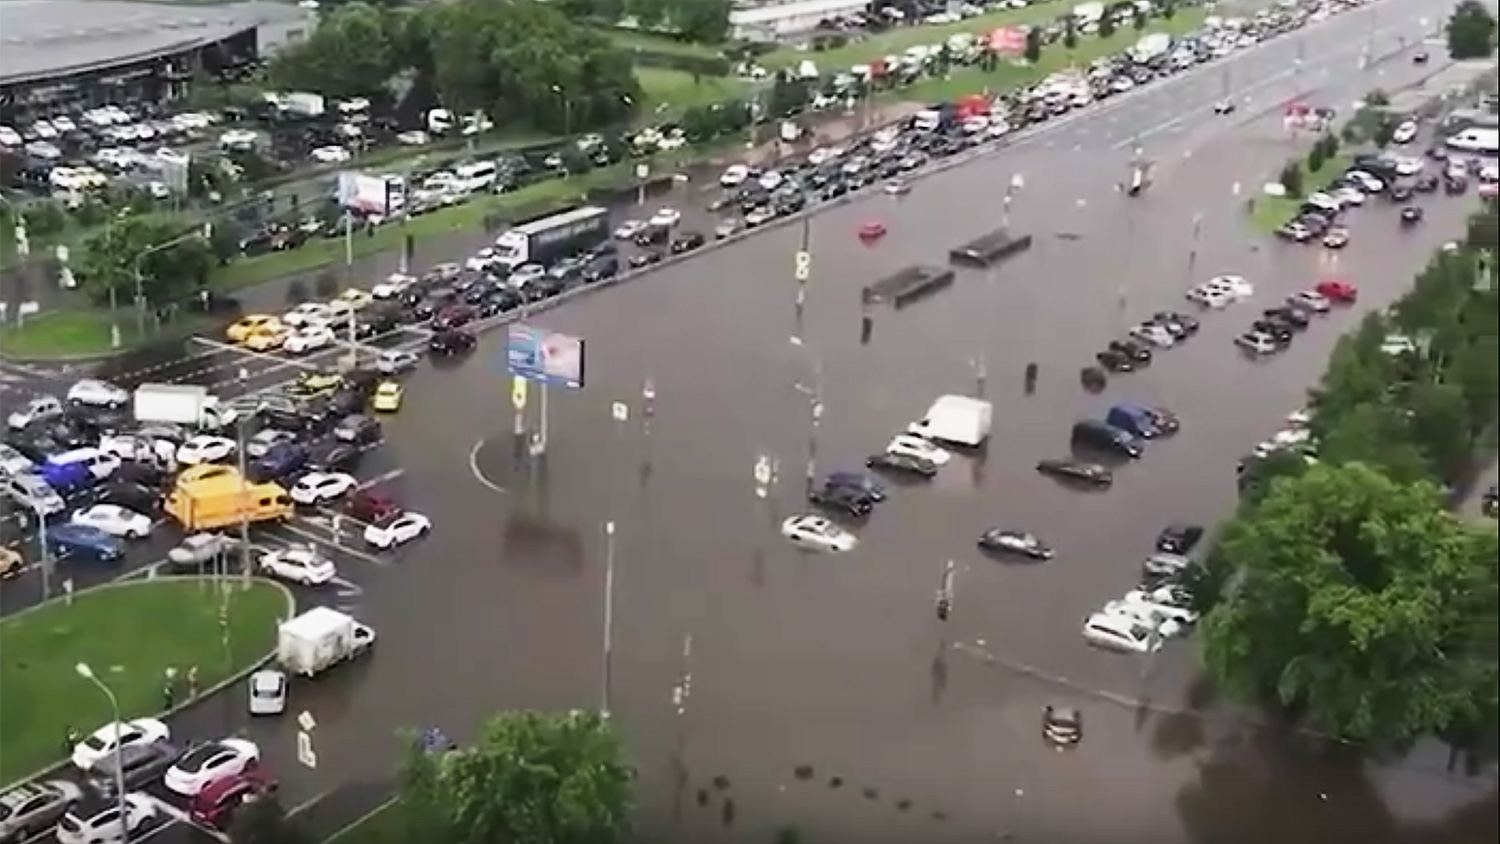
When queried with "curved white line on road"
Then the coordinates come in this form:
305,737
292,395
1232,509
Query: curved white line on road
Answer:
478,475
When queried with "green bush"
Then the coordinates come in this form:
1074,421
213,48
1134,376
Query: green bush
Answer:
1315,158
1291,178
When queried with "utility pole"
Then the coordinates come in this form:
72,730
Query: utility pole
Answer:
814,395
1192,261
607,667
945,592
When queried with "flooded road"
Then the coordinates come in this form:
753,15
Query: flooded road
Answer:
824,693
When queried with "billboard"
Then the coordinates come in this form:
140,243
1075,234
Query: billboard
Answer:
367,193
546,356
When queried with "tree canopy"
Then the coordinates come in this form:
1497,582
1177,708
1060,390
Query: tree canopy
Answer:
350,53
1471,31
531,778
109,258
1361,603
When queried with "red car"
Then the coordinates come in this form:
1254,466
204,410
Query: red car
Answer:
214,806
371,507
1337,290
871,231
452,317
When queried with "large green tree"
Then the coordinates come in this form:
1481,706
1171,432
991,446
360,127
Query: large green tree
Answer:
350,53
1471,31
110,257
264,821
531,778
1360,604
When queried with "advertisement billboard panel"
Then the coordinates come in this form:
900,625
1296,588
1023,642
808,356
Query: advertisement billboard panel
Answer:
546,356
364,192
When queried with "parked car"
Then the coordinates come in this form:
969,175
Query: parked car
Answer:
1015,542
27,809
106,822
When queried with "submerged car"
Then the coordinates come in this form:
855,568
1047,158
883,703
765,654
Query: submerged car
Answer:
1015,542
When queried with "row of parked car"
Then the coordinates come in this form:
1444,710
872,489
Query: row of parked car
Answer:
1160,607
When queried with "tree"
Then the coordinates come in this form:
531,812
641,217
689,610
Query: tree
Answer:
1291,178
1315,158
1379,435
1168,9
1362,605
350,53
1261,473
1471,31
1107,23
109,258
264,821
1070,33
532,778
1033,45
789,94
704,21
1385,129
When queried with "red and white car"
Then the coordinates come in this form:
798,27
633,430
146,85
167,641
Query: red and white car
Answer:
1337,290
209,762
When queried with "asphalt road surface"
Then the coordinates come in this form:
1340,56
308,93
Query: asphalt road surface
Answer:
823,691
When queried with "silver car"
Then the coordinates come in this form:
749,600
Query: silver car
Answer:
194,551
30,808
267,692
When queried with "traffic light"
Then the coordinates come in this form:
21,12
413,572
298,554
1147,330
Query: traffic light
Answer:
944,608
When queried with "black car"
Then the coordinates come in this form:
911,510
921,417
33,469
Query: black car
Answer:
479,291
452,341
1000,541
686,242
1400,193
1135,350
864,482
1279,331
132,496
1115,361
1062,725
601,268
333,456
1455,184
1295,317
1093,433
376,322
140,474
1178,539
1426,184
358,429
644,259
652,236
498,302
844,499
1075,470
888,462
1182,322
1411,215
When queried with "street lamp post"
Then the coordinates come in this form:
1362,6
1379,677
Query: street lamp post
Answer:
87,673
814,394
607,666
567,109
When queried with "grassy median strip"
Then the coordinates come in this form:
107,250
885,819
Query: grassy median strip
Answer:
130,634
1273,212
83,332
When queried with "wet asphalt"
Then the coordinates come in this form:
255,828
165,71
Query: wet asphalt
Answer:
824,693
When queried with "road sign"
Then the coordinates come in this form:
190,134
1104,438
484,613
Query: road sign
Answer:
620,411
642,171
306,722
518,392
762,470
804,265
305,753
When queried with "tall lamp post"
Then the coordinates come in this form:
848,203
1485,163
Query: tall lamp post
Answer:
814,394
87,673
567,109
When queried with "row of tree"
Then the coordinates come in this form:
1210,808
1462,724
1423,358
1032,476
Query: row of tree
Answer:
1354,598
703,21
1471,31
523,63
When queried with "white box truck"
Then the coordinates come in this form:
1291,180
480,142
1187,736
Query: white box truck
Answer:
959,420
320,638
182,404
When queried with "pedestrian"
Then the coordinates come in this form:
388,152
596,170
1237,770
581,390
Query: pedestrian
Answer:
71,738
192,681
168,688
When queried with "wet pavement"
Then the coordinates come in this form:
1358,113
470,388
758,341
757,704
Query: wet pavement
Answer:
824,693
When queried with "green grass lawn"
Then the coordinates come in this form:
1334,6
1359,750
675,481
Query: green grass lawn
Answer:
71,333
129,635
668,90
897,40
648,43
1054,57
1273,212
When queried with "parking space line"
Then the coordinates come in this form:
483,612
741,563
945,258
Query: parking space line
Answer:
381,478
179,816
333,543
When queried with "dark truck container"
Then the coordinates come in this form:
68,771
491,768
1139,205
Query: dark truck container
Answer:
995,246
551,238
907,286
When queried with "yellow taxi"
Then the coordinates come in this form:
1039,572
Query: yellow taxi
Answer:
311,384
250,324
355,298
387,397
268,339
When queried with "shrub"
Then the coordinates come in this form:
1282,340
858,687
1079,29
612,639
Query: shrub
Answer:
1291,178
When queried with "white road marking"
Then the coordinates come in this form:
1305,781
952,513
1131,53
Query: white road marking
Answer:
332,543
381,478
478,475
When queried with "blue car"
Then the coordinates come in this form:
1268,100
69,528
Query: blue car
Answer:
67,478
283,460
72,540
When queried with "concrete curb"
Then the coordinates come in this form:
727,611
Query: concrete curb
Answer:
233,679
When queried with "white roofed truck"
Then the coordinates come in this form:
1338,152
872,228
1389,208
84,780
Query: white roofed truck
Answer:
551,238
958,420
319,639
182,404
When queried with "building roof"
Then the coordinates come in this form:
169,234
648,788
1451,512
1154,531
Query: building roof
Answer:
46,38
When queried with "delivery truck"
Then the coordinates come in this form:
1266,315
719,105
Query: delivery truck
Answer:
319,639
182,404
958,420
209,497
550,238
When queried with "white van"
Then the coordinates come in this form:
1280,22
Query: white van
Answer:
100,464
1476,139
476,177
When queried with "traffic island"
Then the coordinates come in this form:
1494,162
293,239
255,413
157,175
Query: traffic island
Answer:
132,634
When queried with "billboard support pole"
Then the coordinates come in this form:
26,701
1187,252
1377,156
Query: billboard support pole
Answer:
541,437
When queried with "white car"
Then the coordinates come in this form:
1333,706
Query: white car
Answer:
205,448
79,826
413,138
299,564
315,487
208,762
1350,195
396,361
265,440
1257,343
818,532
1156,335
267,692
1309,300
770,180
309,338
13,462
114,520
1367,181
912,445
1210,297
1158,602
308,313
1405,133
1398,344
524,275
96,393
1237,286
666,217
1120,633
734,175
137,447
331,154
480,261
1164,626
101,742
629,229
398,530
394,285
42,407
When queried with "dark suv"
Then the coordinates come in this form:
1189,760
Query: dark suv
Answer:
1105,437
